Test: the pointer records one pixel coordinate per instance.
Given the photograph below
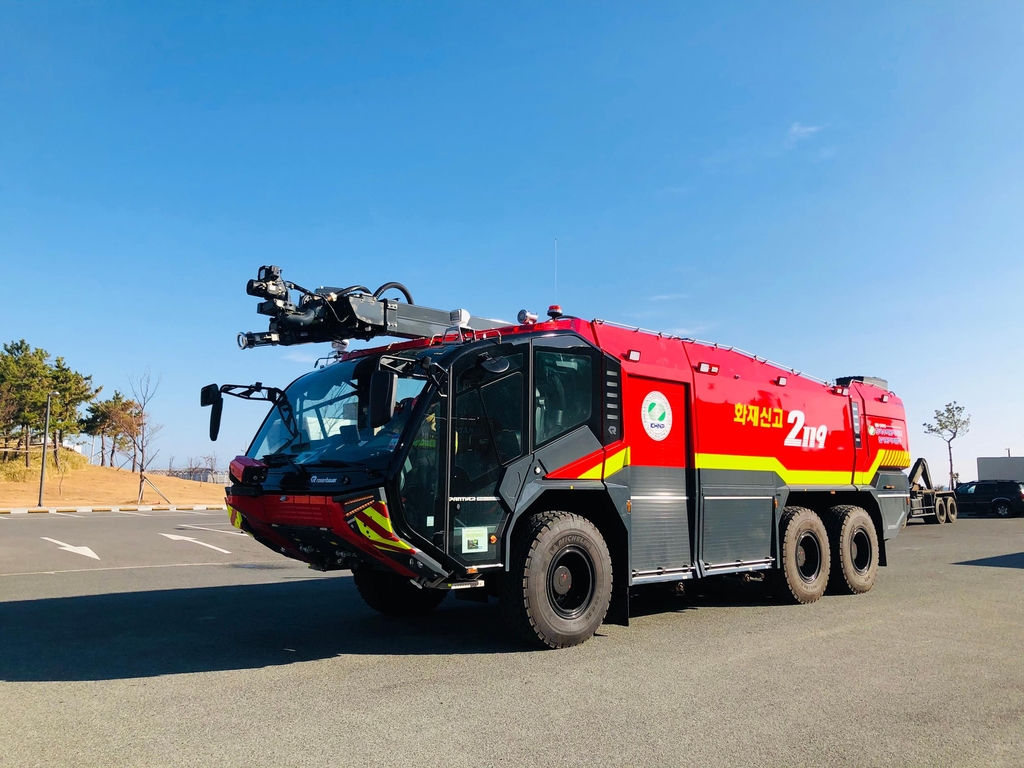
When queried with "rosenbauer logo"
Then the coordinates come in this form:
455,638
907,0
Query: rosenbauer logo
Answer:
656,415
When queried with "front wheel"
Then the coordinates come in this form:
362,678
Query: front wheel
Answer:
394,595
559,584
804,554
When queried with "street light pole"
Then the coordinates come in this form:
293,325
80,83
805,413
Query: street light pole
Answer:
46,439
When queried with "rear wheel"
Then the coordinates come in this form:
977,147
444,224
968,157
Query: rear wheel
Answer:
559,584
1002,509
940,510
854,550
804,555
951,510
394,595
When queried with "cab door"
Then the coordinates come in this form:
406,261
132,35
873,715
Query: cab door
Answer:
965,494
488,432
984,493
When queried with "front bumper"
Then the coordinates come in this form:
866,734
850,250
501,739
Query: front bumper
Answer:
328,531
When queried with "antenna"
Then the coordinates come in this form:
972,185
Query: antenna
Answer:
556,270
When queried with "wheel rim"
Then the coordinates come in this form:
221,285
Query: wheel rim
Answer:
861,553
571,582
808,556
1003,510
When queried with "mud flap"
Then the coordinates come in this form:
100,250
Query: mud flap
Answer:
618,609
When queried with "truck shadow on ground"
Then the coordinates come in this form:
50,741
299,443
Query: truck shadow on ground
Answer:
166,632
719,592
143,634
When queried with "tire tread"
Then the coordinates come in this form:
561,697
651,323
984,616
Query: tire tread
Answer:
513,590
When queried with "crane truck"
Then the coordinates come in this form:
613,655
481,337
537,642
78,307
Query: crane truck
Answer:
556,463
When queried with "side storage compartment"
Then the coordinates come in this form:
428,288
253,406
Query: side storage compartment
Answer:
737,519
660,526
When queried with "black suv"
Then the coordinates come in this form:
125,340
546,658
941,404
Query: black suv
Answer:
1003,498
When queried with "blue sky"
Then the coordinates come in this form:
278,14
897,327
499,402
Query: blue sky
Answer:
839,187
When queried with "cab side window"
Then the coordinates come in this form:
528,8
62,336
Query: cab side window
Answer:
488,434
563,396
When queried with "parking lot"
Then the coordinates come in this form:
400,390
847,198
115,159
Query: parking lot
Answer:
172,640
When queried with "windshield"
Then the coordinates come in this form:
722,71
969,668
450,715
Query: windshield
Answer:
331,413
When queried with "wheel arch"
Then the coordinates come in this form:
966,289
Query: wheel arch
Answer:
595,505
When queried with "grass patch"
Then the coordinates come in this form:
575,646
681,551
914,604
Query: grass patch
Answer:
15,471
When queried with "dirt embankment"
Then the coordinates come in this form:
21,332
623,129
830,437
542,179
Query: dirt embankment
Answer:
90,486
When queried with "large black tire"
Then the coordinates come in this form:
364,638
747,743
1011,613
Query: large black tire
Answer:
804,556
1002,509
951,510
559,584
940,510
854,547
394,595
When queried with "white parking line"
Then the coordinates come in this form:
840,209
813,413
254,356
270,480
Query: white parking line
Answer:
126,512
174,537
215,530
111,568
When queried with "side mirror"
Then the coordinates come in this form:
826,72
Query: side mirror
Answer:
493,364
382,397
211,395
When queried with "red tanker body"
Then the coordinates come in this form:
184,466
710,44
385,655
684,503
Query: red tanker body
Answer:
557,465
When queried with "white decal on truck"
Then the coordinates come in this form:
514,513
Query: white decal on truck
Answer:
804,437
656,415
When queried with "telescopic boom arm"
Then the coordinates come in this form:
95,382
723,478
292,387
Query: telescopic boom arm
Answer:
339,314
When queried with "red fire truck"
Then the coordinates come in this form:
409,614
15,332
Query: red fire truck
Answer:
556,464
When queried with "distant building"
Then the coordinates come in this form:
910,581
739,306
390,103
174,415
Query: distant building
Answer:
1001,468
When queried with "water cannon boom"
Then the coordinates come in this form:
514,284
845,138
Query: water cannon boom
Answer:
339,314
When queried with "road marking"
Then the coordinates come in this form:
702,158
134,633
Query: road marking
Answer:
215,530
173,537
68,548
137,514
116,568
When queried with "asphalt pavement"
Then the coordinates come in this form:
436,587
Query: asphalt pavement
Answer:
174,641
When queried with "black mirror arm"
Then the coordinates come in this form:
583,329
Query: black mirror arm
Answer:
272,395
436,373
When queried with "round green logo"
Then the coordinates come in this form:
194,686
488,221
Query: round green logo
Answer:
656,414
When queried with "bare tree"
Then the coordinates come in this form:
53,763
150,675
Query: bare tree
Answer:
62,470
144,389
949,424
192,465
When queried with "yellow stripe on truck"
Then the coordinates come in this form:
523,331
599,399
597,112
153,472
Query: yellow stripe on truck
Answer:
803,477
609,467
